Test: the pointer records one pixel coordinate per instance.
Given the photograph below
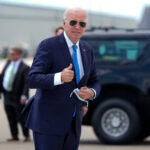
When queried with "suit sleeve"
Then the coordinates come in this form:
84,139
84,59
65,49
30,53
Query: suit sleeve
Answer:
0,85
39,74
93,81
25,87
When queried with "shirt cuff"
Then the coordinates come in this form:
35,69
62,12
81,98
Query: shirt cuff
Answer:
94,96
23,97
57,79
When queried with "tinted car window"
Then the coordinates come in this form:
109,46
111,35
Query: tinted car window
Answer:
115,49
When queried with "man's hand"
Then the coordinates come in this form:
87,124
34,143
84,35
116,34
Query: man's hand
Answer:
85,93
23,101
67,74
84,109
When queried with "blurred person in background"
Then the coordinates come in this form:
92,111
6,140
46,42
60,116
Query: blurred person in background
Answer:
64,74
15,90
59,30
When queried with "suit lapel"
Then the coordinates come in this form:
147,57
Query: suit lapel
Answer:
65,50
7,64
66,53
84,57
18,71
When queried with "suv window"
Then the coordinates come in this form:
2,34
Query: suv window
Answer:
115,49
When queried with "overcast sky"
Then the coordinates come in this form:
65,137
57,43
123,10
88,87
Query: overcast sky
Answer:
129,8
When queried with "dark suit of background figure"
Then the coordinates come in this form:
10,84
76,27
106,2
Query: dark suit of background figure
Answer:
15,99
51,112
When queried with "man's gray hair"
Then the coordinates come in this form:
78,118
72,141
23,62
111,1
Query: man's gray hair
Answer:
69,9
65,13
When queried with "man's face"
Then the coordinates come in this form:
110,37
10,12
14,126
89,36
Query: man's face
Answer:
59,31
14,56
75,23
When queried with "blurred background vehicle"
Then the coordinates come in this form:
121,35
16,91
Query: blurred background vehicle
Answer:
121,113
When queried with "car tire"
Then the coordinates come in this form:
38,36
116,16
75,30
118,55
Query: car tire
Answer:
116,121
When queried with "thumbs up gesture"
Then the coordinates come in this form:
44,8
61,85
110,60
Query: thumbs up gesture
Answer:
67,74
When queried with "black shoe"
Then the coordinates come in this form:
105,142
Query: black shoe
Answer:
13,139
27,139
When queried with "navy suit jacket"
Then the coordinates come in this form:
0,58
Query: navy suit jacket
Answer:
52,108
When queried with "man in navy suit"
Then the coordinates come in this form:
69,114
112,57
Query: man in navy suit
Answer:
64,85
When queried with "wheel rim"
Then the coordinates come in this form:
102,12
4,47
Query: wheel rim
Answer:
115,122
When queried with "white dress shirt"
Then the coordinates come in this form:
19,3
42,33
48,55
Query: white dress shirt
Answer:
8,72
57,77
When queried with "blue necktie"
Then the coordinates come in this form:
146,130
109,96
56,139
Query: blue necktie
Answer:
75,62
77,70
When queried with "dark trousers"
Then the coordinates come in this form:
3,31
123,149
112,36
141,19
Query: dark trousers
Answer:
13,113
70,141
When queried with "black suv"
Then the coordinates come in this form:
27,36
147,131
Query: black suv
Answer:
121,113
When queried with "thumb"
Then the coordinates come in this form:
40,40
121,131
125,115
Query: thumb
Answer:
70,67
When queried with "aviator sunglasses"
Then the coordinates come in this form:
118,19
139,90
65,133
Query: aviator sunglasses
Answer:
74,22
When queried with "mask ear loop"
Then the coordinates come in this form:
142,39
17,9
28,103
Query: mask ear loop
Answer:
75,92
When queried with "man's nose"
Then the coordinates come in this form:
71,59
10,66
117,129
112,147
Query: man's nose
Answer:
77,26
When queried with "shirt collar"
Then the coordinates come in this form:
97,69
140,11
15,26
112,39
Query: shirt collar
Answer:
17,62
69,42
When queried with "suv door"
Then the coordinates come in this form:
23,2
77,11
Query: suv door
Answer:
120,61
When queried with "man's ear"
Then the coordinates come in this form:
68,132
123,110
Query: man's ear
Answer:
63,22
